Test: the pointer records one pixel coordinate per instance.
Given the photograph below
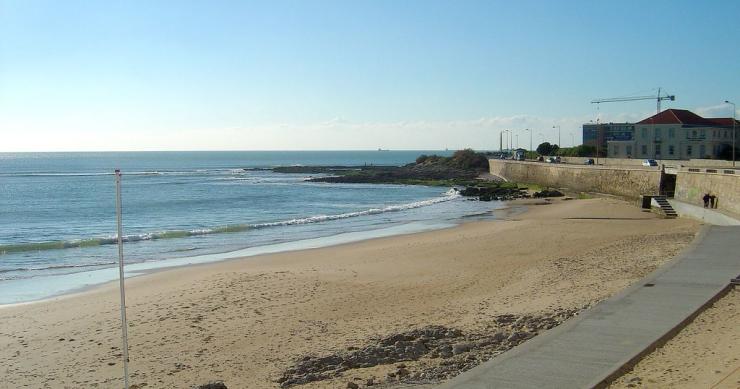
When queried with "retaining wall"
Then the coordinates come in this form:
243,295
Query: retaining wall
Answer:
638,162
624,182
692,184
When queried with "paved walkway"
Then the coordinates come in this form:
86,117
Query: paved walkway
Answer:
592,347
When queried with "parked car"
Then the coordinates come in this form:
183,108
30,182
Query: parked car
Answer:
588,161
649,162
553,160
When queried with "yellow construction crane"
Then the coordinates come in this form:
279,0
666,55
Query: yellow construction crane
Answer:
658,98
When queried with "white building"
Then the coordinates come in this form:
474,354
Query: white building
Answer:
676,134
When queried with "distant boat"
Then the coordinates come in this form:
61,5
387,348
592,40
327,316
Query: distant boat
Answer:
379,149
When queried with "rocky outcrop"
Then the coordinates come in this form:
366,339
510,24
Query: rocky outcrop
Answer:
494,191
452,350
547,193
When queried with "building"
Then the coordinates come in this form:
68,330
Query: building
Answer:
670,134
601,133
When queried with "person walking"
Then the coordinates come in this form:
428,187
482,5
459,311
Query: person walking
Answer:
706,200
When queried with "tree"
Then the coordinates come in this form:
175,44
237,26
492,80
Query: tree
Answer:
545,148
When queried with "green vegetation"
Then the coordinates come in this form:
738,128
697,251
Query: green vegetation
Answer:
546,148
533,187
552,149
578,151
466,159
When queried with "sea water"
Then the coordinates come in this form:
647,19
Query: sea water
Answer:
58,220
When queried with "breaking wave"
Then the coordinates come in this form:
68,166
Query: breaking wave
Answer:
172,234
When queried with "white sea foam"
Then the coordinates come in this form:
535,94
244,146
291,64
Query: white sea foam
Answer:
171,234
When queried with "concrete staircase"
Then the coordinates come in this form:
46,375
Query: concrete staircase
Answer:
665,206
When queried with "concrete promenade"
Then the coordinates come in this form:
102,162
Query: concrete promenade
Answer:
596,346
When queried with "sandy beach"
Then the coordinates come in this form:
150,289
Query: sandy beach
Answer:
247,321
705,354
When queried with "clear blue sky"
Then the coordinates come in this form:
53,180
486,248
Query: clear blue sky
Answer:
158,75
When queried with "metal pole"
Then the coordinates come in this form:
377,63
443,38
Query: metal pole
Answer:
598,141
124,324
558,127
734,119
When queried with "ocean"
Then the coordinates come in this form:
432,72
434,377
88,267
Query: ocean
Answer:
58,220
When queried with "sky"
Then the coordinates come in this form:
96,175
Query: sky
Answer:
343,75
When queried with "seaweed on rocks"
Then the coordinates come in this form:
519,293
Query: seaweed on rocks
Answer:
449,351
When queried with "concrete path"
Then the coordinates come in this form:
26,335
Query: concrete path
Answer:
709,216
595,346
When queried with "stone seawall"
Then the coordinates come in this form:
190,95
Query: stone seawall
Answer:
692,185
624,182
636,162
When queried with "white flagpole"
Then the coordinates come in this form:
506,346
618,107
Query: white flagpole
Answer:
124,324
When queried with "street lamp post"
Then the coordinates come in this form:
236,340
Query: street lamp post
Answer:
558,127
734,110
517,141
530,138
506,143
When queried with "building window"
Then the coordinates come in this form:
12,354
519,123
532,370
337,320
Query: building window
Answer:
671,132
702,151
670,150
714,134
644,149
657,150
703,133
644,132
688,150
693,133
657,133
629,150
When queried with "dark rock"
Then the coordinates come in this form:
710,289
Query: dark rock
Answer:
548,193
460,348
352,385
211,385
458,351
